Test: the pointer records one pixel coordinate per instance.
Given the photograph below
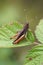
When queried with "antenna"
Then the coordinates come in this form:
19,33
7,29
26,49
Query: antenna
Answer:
26,16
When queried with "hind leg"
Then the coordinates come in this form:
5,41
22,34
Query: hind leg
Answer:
17,41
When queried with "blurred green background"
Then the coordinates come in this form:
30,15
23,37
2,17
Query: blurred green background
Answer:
21,11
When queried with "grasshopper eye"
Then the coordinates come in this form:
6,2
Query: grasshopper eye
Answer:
26,26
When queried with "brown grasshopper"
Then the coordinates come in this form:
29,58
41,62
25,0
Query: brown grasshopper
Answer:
20,35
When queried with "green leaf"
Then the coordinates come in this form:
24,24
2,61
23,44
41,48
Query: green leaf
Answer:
39,31
30,36
35,56
7,31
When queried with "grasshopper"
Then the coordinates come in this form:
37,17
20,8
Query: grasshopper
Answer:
20,35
